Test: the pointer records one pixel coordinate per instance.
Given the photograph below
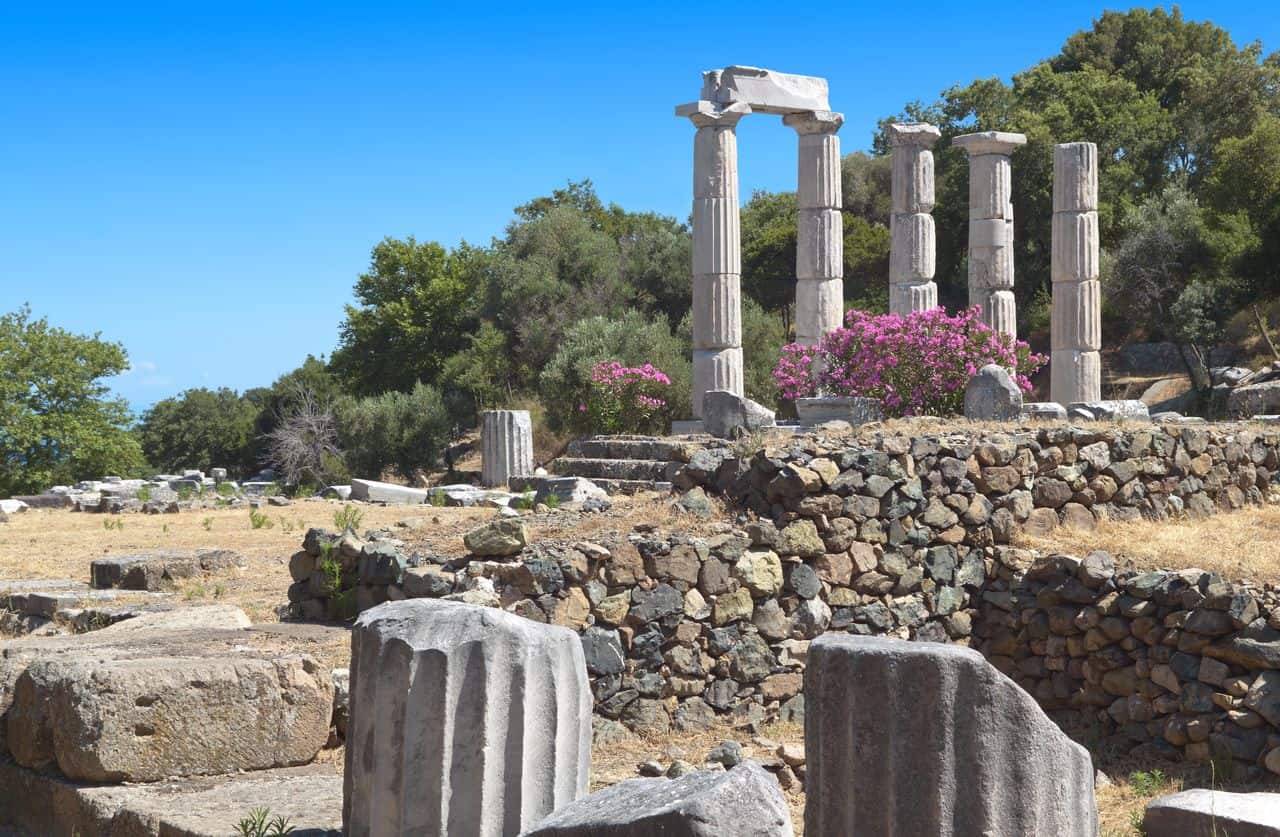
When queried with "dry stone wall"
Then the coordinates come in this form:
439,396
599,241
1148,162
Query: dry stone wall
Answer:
912,537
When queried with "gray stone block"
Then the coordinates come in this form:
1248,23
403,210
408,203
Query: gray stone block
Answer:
1112,410
372,491
1044,411
924,738
463,720
723,411
745,802
506,446
1207,813
991,395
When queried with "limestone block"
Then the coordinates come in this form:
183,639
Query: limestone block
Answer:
1113,410
372,491
1044,411
1077,317
912,248
819,244
1075,376
1208,813
818,182
924,738
765,91
723,411
715,162
717,311
990,186
991,268
717,245
463,720
1075,246
144,719
989,142
715,369
992,395
819,308
745,801
912,185
506,446
999,309
1075,177
904,298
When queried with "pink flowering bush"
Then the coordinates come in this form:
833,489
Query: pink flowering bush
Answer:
624,399
917,364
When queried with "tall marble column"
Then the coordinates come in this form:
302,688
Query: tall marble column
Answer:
991,226
717,249
1075,372
820,233
912,244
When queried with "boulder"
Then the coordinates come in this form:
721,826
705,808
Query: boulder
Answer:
744,801
1169,395
372,491
991,395
498,538
569,491
891,724
157,570
723,412
1208,813
1254,400
12,506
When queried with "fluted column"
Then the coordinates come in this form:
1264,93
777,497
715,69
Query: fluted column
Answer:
1075,372
463,720
991,226
820,228
717,249
506,446
912,242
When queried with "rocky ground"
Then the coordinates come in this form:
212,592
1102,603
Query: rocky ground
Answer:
43,544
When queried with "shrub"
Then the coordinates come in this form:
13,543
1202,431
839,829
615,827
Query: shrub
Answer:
347,517
624,399
259,520
917,364
405,431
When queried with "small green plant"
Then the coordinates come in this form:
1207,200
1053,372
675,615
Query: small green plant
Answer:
285,526
552,500
257,824
226,489
196,591
340,603
348,517
207,523
144,493
1148,783
437,499
113,523
185,492
303,491
165,529
219,590
1135,822
271,489
524,502
259,520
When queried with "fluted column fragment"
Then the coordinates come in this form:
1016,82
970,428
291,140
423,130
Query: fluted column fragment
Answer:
506,446
923,738
717,257
912,241
820,227
1075,371
463,720
991,226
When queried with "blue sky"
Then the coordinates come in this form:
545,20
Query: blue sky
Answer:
203,182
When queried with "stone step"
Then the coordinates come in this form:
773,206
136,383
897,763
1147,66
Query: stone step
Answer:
523,485
614,469
623,447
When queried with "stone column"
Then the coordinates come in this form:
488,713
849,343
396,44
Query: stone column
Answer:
1075,372
912,246
462,720
991,226
820,228
506,446
717,249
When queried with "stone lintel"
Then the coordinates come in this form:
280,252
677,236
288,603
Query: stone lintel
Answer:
989,142
766,91
814,122
917,134
703,113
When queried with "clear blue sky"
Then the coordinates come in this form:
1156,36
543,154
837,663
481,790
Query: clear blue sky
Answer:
204,183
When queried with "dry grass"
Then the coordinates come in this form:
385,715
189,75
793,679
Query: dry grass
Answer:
1241,545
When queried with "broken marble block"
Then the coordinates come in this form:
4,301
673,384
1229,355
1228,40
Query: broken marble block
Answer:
1112,410
462,720
992,395
924,738
724,411
745,802
1044,411
1208,813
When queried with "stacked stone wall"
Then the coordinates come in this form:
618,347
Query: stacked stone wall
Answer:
914,537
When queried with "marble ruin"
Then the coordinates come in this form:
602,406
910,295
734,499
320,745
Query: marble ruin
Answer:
727,96
506,446
912,239
991,226
1075,362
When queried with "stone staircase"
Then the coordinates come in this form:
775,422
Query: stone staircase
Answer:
627,464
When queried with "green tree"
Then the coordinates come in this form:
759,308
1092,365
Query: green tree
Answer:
482,370
58,420
201,428
402,431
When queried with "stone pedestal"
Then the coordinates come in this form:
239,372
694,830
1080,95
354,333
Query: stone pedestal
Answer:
506,446
924,738
463,720
820,230
1075,372
717,258
912,244
991,226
